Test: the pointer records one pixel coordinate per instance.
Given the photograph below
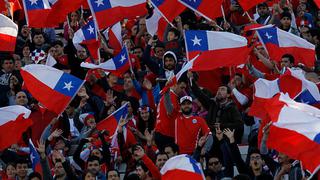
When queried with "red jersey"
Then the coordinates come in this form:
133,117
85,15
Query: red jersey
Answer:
165,122
188,131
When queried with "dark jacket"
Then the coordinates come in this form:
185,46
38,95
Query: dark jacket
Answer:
228,115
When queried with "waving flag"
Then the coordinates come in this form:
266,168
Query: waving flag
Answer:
216,49
111,122
317,2
114,37
175,78
87,35
156,24
13,122
48,13
34,157
297,126
8,34
169,9
182,167
209,9
117,65
51,87
116,10
279,42
248,4
303,91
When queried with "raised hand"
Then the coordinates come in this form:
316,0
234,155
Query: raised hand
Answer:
147,84
41,149
138,152
229,134
55,133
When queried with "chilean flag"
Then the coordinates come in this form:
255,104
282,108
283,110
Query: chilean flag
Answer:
216,49
279,42
13,122
48,13
114,37
248,4
170,9
87,35
303,91
209,9
116,65
116,10
182,167
51,87
156,24
317,2
295,131
111,122
34,157
8,34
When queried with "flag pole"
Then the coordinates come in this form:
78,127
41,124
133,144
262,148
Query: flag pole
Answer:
223,14
155,7
8,8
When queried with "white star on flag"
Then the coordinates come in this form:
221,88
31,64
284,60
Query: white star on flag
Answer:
123,57
90,29
99,2
196,41
68,85
268,36
33,1
32,157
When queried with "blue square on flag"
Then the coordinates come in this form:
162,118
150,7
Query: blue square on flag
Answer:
157,2
89,31
122,111
269,35
195,4
68,85
121,59
34,4
196,40
100,5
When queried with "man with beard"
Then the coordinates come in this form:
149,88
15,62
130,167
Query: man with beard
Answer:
188,127
222,111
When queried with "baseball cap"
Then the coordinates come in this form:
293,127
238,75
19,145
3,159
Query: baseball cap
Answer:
184,98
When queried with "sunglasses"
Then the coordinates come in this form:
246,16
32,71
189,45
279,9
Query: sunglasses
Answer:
213,163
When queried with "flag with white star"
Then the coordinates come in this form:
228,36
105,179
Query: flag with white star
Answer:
209,9
216,49
34,156
48,13
109,12
116,65
279,42
87,35
51,87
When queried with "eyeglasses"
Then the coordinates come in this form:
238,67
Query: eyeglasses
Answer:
213,163
255,158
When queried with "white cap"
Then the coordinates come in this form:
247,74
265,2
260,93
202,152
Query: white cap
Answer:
185,98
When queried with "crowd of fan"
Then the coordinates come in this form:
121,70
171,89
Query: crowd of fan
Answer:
206,123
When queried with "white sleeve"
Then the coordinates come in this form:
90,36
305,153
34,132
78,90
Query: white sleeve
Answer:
241,98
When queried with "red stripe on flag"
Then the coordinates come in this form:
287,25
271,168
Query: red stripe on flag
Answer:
51,99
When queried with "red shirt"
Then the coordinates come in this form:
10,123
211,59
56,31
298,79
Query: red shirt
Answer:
165,121
188,131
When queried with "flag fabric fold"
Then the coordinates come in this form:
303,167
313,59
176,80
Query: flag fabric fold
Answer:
87,35
182,167
116,65
216,49
279,42
209,9
8,34
295,131
13,122
45,82
116,10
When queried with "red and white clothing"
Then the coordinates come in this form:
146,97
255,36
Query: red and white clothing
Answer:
187,132
165,121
